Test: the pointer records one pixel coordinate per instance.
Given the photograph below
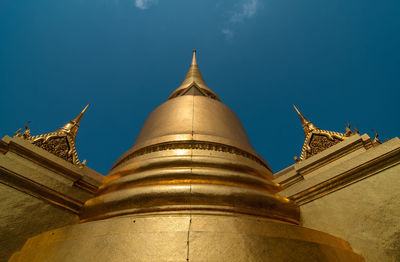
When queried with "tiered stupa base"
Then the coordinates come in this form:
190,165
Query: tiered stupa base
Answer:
185,237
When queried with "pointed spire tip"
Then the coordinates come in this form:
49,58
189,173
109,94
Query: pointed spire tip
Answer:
86,107
79,117
307,125
193,76
295,108
194,60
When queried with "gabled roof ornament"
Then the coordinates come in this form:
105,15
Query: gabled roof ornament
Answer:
307,125
72,127
316,139
194,79
60,142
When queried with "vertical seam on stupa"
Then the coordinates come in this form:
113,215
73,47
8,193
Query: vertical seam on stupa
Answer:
190,188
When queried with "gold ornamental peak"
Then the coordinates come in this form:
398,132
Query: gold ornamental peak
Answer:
307,125
194,60
73,125
194,79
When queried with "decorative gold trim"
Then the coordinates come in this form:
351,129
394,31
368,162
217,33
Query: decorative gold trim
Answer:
184,209
190,144
312,147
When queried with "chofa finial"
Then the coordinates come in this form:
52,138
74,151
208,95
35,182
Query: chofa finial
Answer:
348,130
376,139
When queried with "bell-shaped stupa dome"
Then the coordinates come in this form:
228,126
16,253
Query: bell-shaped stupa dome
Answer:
192,153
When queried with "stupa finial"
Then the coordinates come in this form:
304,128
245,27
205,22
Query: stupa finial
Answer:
194,79
194,60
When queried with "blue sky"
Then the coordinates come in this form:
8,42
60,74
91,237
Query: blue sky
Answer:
336,60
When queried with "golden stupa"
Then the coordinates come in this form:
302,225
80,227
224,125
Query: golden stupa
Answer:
192,188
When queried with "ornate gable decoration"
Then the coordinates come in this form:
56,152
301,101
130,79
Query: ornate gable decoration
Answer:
194,90
317,140
60,142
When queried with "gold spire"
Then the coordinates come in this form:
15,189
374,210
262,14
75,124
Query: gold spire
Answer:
60,142
72,127
194,78
307,125
194,61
